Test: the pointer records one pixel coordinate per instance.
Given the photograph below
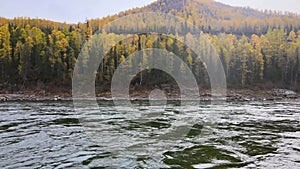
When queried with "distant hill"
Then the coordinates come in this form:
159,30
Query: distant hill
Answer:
214,17
207,15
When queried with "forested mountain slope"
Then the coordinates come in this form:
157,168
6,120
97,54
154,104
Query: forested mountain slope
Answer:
214,17
255,47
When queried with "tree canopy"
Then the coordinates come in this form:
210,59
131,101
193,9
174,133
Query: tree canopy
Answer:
255,47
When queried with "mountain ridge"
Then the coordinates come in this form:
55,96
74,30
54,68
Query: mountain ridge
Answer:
207,15
211,16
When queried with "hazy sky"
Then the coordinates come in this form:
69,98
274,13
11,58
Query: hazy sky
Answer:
73,11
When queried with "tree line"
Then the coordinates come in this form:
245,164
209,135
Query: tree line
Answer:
255,47
31,55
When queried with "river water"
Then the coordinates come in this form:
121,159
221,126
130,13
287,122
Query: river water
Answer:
51,134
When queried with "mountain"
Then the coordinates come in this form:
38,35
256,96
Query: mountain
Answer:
215,17
207,15
257,48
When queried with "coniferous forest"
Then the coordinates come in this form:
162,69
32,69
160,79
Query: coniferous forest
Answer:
257,48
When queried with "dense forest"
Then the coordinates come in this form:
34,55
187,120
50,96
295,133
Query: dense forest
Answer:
257,48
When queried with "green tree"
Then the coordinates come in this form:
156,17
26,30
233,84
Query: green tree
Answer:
5,53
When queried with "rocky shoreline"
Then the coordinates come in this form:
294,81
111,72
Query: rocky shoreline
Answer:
233,95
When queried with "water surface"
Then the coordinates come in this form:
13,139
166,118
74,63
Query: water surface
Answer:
242,135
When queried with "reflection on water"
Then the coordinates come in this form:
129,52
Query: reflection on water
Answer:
244,135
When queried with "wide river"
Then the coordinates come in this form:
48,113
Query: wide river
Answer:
51,134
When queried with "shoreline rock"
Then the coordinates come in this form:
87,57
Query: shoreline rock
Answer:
233,95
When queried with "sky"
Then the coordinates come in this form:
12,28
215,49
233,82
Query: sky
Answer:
73,11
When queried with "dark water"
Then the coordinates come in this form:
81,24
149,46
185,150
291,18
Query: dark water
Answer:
242,135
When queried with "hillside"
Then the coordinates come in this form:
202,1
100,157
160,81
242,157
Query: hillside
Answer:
256,48
215,17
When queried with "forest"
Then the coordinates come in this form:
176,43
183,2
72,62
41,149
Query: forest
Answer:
257,48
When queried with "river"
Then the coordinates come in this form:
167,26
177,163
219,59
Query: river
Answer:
51,134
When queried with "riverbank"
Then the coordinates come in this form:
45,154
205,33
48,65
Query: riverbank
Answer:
232,95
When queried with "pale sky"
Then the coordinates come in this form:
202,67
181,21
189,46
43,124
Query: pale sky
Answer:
278,5
73,11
